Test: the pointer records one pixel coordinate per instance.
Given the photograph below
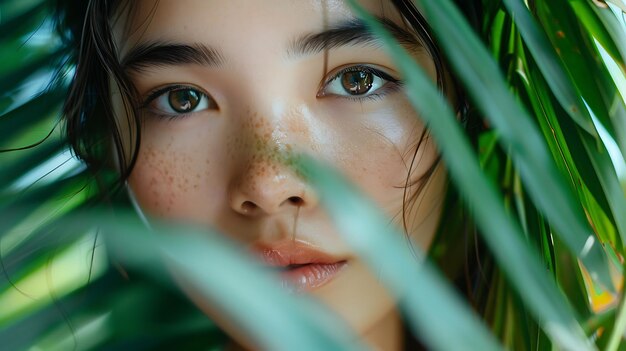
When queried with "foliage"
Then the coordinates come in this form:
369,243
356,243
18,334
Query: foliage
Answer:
546,188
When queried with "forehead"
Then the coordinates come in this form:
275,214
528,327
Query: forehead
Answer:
267,24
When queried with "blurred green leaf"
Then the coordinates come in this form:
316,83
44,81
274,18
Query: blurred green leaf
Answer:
22,24
23,117
434,309
191,258
14,79
13,169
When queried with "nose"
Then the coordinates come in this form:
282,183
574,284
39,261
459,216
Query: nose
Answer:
267,185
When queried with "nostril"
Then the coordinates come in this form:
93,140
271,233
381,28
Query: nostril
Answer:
248,206
296,200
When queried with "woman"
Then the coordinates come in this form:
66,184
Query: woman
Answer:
206,110
200,107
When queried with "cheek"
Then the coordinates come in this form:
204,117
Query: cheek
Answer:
159,181
169,174
377,154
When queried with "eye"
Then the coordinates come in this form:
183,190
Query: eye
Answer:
173,101
357,81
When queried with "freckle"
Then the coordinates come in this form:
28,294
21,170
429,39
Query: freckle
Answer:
195,186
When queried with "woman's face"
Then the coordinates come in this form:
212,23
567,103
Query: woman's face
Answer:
229,88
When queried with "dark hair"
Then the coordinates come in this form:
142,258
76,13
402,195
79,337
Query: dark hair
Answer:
90,124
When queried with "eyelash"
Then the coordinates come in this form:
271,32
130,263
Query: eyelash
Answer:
390,85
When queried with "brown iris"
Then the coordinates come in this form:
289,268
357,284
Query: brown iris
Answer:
357,82
184,100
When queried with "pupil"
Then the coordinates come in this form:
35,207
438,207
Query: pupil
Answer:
184,100
357,83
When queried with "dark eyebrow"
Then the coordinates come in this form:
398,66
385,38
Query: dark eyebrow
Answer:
350,32
156,53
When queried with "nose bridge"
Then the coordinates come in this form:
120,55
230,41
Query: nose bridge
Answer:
265,181
262,143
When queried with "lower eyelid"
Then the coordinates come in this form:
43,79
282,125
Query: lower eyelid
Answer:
167,116
382,92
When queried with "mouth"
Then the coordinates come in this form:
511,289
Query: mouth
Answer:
301,267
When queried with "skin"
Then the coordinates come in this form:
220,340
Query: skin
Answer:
223,167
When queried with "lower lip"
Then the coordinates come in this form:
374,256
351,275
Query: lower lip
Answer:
310,276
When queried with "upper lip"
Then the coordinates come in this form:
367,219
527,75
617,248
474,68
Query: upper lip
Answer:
288,253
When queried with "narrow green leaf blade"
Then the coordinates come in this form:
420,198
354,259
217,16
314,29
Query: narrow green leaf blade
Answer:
198,258
434,309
